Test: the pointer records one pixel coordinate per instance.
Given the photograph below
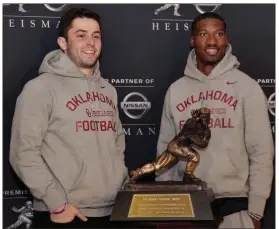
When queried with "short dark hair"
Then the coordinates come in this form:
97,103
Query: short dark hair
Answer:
73,13
206,16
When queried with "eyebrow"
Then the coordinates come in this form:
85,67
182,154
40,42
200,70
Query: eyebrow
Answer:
80,30
204,29
85,31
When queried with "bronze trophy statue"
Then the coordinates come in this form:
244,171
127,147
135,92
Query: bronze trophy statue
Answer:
195,133
184,203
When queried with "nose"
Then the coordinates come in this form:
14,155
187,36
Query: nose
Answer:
211,40
91,41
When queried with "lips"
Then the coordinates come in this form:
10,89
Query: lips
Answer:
89,52
211,51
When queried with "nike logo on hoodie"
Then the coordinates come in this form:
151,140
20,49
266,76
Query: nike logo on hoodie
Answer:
229,83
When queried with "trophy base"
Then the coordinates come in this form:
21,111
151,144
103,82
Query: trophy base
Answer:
165,186
165,203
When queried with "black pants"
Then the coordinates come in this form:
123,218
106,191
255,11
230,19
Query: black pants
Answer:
225,206
42,220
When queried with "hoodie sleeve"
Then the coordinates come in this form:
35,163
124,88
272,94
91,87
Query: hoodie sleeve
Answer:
30,124
167,133
260,147
120,138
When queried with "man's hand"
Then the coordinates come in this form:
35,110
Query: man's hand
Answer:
67,215
256,223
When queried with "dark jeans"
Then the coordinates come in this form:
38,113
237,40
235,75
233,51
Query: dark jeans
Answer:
42,220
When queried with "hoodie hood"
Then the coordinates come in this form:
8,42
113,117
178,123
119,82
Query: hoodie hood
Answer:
57,63
228,62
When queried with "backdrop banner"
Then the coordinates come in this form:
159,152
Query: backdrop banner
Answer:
145,48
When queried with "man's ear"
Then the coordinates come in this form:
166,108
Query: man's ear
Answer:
192,42
62,43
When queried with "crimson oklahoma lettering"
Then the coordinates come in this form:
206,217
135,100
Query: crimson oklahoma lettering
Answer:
214,123
209,95
92,125
77,100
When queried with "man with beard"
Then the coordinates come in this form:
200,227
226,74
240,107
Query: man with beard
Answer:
67,141
238,162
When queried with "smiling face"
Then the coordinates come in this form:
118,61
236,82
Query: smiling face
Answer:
209,41
83,44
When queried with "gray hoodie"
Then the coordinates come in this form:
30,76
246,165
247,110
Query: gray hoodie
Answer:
67,141
238,161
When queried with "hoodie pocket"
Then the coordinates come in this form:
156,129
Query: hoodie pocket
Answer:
94,188
224,165
86,189
225,159
220,174
79,177
123,174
